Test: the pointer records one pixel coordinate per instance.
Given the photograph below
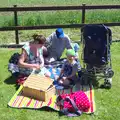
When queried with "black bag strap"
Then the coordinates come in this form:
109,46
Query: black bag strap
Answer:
76,112
71,114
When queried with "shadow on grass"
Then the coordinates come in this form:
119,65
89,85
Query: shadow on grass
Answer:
12,80
61,114
97,85
48,109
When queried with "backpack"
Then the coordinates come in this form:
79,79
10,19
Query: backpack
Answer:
14,58
13,63
73,104
97,39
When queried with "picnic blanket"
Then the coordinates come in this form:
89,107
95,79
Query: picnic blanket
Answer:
20,101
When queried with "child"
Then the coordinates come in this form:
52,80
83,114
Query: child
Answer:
68,74
76,48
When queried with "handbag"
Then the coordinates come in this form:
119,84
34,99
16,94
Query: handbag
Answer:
73,104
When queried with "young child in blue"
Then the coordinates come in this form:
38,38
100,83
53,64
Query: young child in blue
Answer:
76,48
69,70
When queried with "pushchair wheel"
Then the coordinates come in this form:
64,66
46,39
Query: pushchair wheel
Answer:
109,73
108,83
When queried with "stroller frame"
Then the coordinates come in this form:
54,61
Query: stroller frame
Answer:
97,72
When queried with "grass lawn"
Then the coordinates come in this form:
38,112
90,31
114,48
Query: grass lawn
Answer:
33,18
107,101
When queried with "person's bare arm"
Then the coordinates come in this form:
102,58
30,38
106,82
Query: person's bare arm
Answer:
62,71
22,62
42,61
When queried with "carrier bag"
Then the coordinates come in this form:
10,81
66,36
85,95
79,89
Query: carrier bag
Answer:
73,104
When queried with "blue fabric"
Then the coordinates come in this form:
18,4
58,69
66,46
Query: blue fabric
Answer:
76,47
55,71
68,70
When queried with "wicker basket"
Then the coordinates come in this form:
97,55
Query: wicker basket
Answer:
38,87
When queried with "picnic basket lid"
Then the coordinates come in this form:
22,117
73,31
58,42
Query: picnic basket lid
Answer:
38,82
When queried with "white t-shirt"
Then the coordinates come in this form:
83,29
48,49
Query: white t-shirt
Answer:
57,46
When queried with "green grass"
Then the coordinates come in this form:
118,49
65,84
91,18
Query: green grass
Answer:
58,17
61,17
8,3
107,101
26,35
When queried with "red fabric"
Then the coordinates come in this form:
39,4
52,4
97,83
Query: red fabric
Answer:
21,79
81,100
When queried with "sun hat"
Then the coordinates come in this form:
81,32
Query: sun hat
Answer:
59,32
70,52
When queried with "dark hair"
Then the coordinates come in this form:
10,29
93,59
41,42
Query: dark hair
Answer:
40,39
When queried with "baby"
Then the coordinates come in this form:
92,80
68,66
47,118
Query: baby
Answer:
68,74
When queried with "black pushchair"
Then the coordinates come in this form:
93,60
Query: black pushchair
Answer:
96,56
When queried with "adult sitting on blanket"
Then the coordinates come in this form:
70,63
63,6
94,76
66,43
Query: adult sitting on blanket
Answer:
32,56
57,43
69,70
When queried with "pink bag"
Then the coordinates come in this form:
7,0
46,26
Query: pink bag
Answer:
73,102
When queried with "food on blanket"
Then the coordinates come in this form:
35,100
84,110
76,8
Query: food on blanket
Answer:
38,87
